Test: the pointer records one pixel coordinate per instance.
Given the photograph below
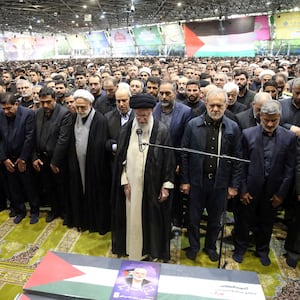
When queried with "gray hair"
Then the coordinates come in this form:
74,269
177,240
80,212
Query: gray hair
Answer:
123,87
214,91
231,86
272,107
261,96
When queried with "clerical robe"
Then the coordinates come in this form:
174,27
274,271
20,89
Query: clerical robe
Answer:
89,204
156,167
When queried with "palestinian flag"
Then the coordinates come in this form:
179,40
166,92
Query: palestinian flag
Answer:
71,276
234,37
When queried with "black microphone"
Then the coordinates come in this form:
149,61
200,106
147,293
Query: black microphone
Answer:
139,132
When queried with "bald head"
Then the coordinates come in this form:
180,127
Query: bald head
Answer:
122,99
258,101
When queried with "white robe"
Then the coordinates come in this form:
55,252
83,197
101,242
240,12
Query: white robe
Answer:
134,175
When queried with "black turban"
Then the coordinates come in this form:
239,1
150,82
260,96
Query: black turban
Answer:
142,101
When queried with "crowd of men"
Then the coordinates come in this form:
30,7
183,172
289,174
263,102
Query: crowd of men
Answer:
117,145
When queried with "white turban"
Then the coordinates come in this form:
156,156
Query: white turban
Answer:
84,94
266,72
145,69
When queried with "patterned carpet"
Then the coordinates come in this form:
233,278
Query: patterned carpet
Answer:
22,246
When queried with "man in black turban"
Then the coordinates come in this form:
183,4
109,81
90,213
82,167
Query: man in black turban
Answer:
142,186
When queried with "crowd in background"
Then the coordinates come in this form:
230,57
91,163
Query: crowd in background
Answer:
60,127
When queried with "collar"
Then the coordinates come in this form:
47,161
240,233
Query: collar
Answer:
294,104
210,122
125,115
85,118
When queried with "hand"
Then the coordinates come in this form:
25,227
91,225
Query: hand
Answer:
185,188
298,197
295,129
36,164
177,170
10,167
246,198
163,195
54,169
21,165
127,191
276,201
231,193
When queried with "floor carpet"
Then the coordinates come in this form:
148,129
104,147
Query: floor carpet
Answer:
22,246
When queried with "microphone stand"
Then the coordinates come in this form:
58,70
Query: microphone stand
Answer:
183,149
223,218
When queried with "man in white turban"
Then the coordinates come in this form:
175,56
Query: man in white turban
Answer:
88,207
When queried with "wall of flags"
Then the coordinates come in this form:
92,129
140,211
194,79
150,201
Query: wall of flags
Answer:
278,34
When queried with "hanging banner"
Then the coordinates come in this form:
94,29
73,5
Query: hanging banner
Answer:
122,43
98,43
148,40
77,42
173,40
287,25
234,37
261,28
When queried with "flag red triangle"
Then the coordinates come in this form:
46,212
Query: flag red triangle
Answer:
52,269
192,42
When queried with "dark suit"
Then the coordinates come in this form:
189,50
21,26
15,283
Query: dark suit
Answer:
262,187
17,142
290,114
52,142
114,126
292,242
237,107
181,115
247,98
209,192
246,119
105,104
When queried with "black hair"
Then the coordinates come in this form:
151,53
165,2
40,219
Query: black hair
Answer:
46,91
8,98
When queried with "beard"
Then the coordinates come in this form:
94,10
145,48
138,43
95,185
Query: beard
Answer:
242,87
193,99
84,114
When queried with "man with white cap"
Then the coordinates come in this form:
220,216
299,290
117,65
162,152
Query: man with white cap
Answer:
144,74
89,177
266,75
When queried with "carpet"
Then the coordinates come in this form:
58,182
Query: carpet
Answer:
22,246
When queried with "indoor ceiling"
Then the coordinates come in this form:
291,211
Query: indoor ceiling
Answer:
53,16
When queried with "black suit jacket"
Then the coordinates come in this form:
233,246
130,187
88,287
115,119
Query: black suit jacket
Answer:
114,126
57,137
23,135
246,119
247,98
283,163
104,104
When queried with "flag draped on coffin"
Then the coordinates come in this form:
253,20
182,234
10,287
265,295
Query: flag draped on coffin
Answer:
234,37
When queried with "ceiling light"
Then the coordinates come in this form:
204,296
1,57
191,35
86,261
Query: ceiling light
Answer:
179,4
84,6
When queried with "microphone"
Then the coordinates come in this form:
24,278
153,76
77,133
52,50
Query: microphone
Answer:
139,132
